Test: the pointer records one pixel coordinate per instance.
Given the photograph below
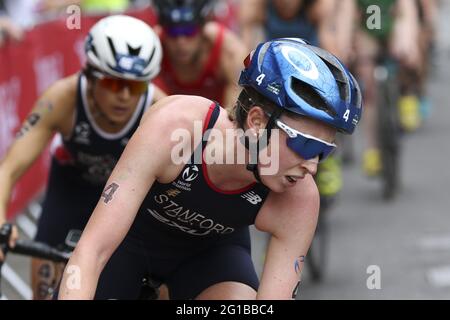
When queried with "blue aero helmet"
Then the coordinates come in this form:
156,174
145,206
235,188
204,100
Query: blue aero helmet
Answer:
305,80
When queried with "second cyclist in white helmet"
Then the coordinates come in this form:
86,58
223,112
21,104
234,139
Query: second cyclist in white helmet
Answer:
93,114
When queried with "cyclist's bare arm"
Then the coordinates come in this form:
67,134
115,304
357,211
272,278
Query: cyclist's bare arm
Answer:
146,158
231,60
291,219
344,21
51,113
431,10
322,15
405,37
252,14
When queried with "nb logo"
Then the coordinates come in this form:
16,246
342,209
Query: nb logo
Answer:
252,197
190,173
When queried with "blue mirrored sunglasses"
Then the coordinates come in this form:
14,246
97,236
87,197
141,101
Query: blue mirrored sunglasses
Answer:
183,30
305,145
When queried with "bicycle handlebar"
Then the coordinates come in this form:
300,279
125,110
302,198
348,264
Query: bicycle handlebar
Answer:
31,248
40,250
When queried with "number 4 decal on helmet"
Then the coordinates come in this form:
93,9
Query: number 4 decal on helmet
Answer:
260,78
346,115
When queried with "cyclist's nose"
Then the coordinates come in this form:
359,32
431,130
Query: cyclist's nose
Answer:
310,165
125,93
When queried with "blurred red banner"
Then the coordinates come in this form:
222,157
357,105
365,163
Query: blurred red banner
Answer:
48,52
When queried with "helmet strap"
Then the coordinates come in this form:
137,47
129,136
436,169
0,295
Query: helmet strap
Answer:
253,165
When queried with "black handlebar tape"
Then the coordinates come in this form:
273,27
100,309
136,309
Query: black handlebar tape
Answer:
40,250
5,233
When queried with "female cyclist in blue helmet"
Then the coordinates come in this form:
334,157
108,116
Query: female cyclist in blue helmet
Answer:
186,223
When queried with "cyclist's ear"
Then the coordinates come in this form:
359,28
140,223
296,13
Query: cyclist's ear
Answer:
256,118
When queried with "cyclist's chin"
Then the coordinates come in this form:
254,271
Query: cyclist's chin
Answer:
185,58
118,118
275,184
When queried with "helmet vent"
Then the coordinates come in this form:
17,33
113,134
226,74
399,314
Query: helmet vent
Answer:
111,46
133,51
311,96
94,51
341,81
151,56
356,92
337,70
89,46
261,55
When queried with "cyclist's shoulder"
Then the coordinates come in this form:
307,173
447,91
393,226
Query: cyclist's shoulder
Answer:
232,49
56,104
177,111
213,30
62,93
64,86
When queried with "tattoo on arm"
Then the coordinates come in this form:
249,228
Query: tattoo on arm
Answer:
298,270
297,264
44,106
109,192
30,122
34,118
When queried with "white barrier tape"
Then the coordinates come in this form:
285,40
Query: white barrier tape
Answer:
35,210
16,282
26,225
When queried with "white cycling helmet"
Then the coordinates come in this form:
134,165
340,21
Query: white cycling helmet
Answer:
124,47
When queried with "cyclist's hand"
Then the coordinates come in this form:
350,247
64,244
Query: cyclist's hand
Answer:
11,242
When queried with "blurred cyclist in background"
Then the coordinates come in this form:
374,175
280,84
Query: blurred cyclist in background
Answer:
399,36
320,22
201,57
428,12
93,114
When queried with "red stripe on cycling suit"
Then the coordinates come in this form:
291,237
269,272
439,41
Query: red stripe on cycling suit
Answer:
208,117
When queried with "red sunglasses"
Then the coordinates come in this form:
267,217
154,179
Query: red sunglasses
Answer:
116,85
